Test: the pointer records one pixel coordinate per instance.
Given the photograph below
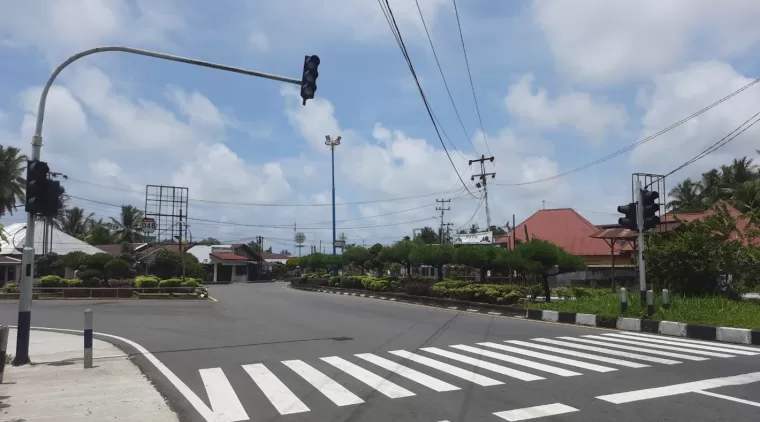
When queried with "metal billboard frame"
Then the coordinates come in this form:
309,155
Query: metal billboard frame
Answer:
168,205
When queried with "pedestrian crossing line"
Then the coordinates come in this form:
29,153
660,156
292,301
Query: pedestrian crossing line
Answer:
373,380
278,393
634,348
715,348
602,350
449,369
326,385
691,341
528,413
621,362
524,376
552,358
663,347
408,373
518,361
221,396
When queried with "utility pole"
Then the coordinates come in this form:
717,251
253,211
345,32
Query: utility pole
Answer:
442,209
448,231
332,143
483,178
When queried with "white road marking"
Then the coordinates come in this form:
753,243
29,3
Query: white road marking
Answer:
278,393
408,373
375,381
659,346
589,356
608,351
535,412
691,341
449,369
672,390
326,385
518,361
224,402
724,397
713,347
636,349
524,376
552,358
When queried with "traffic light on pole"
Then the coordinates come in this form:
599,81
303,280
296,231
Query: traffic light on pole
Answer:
309,78
629,221
53,198
36,186
651,219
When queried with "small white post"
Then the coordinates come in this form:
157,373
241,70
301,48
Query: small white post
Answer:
665,299
88,338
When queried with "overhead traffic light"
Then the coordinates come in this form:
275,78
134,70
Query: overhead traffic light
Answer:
36,186
309,78
651,219
53,198
629,221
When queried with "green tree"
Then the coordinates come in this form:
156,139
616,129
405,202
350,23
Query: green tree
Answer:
376,263
428,235
292,263
127,227
74,221
400,253
541,257
99,234
477,256
498,231
12,183
117,268
358,256
434,255
736,183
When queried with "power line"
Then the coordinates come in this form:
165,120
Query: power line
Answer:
469,74
388,12
445,83
471,217
638,143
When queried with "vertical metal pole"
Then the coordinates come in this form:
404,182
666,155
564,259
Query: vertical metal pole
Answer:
332,153
642,243
4,332
88,338
623,300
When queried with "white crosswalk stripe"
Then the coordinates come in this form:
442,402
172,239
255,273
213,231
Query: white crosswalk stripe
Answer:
691,341
621,350
663,347
688,345
602,350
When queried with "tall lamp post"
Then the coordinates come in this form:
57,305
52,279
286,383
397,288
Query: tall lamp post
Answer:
332,143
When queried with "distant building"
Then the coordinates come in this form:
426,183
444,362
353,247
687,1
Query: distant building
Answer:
229,263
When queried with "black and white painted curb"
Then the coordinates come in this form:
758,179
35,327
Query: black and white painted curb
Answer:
454,305
669,328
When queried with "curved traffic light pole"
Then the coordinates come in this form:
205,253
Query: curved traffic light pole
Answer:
27,257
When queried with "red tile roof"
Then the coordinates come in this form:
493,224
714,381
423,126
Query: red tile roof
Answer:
565,228
229,257
741,221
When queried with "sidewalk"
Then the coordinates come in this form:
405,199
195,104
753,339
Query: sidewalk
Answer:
56,387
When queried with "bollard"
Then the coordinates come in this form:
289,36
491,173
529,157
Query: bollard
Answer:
623,300
665,299
88,338
650,302
4,331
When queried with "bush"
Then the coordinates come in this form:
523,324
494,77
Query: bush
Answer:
146,282
52,281
74,282
75,260
98,261
191,283
11,288
126,282
171,282
417,289
117,268
503,294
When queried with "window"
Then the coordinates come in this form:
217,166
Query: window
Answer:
240,269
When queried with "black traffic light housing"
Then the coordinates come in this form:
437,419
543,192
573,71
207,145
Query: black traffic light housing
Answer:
309,77
53,198
629,221
36,186
651,208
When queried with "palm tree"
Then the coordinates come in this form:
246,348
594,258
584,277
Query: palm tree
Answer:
685,197
127,228
12,183
74,221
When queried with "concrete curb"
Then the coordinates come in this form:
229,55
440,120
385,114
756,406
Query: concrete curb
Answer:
451,304
669,328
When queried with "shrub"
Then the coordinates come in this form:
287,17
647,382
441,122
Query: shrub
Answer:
75,260
98,261
117,268
319,281
487,293
89,274
125,282
11,288
74,282
191,283
171,282
146,282
351,282
417,289
52,281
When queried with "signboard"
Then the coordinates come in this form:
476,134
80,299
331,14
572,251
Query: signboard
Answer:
480,238
148,225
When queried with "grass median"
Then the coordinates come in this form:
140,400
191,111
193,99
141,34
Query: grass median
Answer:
713,310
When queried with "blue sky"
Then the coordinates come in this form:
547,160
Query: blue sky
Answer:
559,84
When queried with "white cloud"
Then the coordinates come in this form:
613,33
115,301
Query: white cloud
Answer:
678,94
259,41
601,41
578,110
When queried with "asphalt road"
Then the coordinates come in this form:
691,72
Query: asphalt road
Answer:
264,352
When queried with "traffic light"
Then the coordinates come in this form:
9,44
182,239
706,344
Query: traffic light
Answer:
651,220
36,186
53,198
629,221
309,78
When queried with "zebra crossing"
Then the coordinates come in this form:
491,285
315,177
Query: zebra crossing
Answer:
485,364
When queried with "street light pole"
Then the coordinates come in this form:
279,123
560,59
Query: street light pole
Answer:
332,143
27,256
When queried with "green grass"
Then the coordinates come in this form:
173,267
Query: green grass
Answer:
716,311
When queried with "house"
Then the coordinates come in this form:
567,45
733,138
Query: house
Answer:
230,263
10,250
272,260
